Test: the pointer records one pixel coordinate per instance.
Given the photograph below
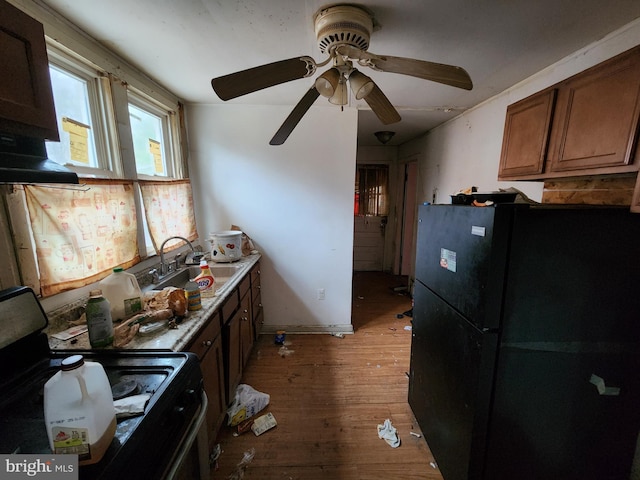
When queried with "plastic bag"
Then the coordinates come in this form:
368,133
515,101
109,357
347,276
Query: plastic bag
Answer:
248,401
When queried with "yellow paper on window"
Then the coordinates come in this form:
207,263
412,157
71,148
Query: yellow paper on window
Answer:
78,143
154,148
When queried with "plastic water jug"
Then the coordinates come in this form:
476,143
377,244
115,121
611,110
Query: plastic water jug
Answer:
124,294
78,410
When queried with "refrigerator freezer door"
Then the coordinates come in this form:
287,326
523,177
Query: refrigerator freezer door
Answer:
461,256
451,378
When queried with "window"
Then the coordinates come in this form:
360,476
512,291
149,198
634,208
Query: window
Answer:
82,115
371,190
118,130
154,135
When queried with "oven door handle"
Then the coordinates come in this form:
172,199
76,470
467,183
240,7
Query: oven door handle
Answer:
197,430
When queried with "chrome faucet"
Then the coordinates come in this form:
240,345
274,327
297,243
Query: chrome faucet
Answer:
163,265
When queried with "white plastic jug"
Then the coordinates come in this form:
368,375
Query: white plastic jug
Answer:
124,294
78,410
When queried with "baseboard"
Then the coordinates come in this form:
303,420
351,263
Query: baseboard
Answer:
307,329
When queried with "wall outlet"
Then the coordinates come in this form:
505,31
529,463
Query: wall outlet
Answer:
321,294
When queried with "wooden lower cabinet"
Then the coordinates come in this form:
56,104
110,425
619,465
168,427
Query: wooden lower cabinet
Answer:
208,347
232,354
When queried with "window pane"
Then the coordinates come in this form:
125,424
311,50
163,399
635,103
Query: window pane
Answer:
148,145
71,98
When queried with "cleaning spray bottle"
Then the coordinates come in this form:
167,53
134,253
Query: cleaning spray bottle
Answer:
205,280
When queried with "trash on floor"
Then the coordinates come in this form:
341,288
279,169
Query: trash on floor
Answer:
389,433
408,313
215,455
263,423
408,328
280,336
433,465
246,404
238,473
283,351
338,334
399,315
243,427
417,435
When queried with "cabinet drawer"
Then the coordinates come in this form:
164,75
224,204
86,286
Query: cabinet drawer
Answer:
207,336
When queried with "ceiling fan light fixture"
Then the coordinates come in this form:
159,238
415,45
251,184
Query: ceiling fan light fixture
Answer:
327,83
361,85
384,136
341,95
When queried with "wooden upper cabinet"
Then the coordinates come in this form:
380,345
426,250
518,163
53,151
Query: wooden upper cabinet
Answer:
585,125
596,119
26,100
526,134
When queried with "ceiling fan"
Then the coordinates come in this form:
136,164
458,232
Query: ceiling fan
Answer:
343,32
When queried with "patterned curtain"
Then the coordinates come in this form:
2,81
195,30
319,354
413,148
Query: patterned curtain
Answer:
81,235
168,208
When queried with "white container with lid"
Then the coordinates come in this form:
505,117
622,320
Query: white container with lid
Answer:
226,246
79,414
124,294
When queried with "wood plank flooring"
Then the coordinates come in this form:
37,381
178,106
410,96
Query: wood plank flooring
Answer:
329,395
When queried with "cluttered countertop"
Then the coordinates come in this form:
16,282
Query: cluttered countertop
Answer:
177,337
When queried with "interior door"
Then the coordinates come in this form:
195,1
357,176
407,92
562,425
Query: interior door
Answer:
409,212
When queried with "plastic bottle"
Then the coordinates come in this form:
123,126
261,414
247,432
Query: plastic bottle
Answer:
192,291
124,294
79,414
99,321
205,280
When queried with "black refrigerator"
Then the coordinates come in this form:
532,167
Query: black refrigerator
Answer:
525,354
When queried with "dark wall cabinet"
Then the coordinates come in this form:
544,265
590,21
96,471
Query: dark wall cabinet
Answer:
585,125
26,100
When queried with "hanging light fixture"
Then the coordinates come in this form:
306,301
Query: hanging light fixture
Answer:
361,85
327,83
341,95
384,136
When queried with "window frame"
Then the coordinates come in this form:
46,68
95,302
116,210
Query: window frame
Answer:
101,110
172,155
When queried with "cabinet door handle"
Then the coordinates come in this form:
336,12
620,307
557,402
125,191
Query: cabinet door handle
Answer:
207,343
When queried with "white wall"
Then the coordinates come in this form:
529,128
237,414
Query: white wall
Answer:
295,201
466,150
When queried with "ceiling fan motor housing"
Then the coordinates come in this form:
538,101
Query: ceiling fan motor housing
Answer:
343,24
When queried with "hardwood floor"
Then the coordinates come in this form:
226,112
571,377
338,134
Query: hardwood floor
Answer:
329,395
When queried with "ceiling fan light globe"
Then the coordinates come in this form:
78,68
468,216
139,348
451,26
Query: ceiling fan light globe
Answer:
327,83
361,85
341,96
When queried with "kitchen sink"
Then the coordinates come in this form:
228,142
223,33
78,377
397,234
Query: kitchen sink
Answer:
221,273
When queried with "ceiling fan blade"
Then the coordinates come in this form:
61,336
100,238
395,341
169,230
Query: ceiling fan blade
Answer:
295,116
381,106
436,72
257,78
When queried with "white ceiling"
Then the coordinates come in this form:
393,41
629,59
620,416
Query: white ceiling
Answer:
183,44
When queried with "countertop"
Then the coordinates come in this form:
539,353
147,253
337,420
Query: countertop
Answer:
177,339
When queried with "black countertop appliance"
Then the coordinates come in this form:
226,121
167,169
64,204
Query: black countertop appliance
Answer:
525,356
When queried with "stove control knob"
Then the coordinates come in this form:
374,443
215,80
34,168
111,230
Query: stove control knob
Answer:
190,396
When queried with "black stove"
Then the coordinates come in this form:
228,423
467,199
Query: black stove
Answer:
144,446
